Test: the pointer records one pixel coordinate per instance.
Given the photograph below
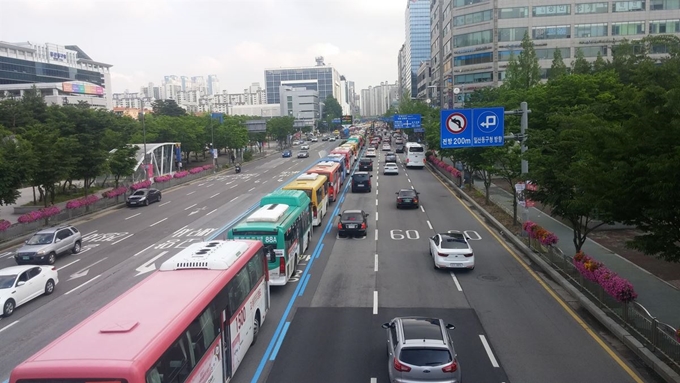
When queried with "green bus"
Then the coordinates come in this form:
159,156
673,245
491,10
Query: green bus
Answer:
283,223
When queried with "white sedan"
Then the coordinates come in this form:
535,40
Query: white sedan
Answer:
20,284
391,168
452,251
304,147
370,152
386,147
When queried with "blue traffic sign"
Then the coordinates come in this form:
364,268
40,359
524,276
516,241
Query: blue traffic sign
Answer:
465,128
407,121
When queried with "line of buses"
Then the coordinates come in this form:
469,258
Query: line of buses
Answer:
194,319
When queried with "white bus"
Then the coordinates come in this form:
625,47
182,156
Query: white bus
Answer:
415,155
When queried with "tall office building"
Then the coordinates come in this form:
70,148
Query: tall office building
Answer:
322,78
472,40
401,69
417,46
213,85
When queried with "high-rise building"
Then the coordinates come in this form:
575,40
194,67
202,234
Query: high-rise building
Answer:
376,100
424,78
417,46
472,40
402,68
300,103
322,78
213,85
63,74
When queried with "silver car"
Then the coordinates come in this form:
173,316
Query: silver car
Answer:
420,350
45,245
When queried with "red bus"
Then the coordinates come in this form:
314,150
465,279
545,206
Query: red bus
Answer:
191,321
349,159
331,170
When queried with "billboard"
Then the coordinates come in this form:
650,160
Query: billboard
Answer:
346,120
83,88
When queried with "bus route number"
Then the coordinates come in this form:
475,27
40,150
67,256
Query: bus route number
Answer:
241,318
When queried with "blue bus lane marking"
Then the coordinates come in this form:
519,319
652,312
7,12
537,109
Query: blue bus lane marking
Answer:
279,334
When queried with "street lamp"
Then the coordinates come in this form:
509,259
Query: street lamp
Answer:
146,166
212,137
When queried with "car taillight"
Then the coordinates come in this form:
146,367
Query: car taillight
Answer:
453,367
442,255
54,268
407,160
399,200
363,226
415,200
282,266
314,211
339,226
469,255
400,367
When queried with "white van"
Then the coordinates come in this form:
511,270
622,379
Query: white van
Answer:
415,155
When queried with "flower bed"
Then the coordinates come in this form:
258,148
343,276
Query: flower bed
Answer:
85,201
594,271
164,178
141,185
207,167
443,166
114,192
4,224
537,232
33,216
196,170
181,174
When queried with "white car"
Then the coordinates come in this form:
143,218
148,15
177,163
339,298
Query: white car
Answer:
391,168
370,152
452,251
386,148
20,284
315,139
304,147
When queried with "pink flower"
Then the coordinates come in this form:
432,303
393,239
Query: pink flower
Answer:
141,185
615,286
164,178
206,167
39,214
181,174
115,192
4,224
196,170
86,201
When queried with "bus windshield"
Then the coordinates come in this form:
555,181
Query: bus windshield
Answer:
416,149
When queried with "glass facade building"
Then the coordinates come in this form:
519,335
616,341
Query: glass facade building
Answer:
417,47
323,79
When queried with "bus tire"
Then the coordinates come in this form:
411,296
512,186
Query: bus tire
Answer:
256,326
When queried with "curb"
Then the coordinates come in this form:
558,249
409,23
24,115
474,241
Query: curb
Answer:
661,368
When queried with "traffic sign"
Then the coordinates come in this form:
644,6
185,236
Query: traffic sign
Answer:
464,128
407,121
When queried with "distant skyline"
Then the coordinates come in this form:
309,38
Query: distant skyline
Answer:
236,40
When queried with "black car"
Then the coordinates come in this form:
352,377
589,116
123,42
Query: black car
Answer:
361,181
144,197
407,197
353,223
366,164
390,157
400,149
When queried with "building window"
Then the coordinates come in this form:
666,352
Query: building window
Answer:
628,6
447,29
511,34
593,51
505,55
514,13
659,5
447,47
473,18
462,3
478,58
592,8
474,38
549,53
473,78
590,30
628,28
551,10
664,26
551,32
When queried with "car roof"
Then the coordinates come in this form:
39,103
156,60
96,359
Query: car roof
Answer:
360,173
16,269
390,164
407,190
51,230
421,328
351,211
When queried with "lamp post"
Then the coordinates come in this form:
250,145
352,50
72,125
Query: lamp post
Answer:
212,137
146,166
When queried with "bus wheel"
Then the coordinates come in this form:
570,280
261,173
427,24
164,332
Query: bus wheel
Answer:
256,326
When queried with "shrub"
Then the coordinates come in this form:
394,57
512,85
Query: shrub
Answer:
181,174
207,167
615,286
113,193
544,236
80,202
4,224
39,214
196,170
141,185
164,178
247,156
443,166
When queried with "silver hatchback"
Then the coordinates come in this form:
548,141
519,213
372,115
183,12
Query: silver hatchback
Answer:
420,350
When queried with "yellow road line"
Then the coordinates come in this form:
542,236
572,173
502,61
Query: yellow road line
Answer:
547,288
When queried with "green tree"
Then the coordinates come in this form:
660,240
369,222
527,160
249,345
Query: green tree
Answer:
599,65
508,162
332,108
558,68
167,108
280,128
16,164
122,162
523,72
580,65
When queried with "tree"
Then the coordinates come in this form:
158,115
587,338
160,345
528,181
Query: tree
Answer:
580,65
599,65
167,108
509,168
523,72
16,164
122,162
332,108
558,68
280,128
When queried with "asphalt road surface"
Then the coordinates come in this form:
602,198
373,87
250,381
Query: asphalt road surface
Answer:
324,326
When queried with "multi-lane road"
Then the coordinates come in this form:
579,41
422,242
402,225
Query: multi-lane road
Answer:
325,325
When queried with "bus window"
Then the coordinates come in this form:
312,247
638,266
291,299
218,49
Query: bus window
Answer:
173,366
239,288
201,333
319,195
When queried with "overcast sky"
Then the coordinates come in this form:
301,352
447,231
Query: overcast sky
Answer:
145,40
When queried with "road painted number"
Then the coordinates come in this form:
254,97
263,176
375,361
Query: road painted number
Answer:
296,276
472,235
104,237
398,235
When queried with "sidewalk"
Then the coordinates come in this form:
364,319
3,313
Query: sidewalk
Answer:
659,297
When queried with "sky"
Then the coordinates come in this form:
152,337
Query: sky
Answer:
145,40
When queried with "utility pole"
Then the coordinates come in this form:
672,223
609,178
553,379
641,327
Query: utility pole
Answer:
144,161
212,138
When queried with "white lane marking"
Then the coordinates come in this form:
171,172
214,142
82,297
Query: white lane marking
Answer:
455,280
68,264
376,184
132,216
154,224
209,185
376,191
233,199
212,212
376,215
165,203
191,192
3,255
85,269
251,189
143,250
492,358
376,234
122,239
375,303
412,187
409,180
83,284
214,195
422,208
9,325
376,202
266,171
89,234
232,186
229,183
189,207
264,182
429,225
375,266
374,380
201,184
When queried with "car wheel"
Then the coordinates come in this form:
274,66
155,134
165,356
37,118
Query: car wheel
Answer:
8,308
76,248
146,202
49,287
256,327
159,198
52,258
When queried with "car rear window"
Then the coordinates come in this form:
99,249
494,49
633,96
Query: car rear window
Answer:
425,356
366,161
407,193
361,177
352,217
451,243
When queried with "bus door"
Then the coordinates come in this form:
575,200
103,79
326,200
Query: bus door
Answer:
226,345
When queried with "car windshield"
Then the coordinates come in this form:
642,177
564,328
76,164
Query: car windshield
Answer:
7,281
425,356
40,239
139,193
355,216
407,193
